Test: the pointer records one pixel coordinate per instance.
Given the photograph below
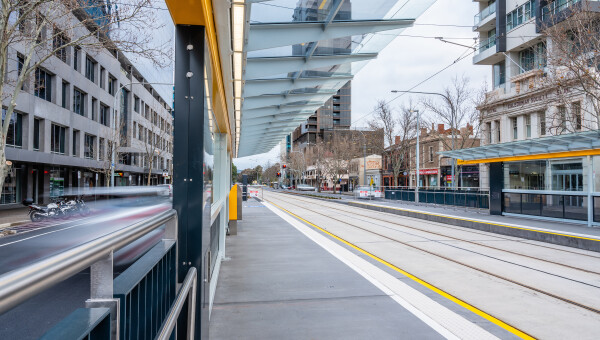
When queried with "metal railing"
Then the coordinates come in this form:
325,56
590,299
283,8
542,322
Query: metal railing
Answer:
188,290
486,43
460,197
479,17
20,284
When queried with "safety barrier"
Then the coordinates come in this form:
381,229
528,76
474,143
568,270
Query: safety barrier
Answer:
467,197
139,303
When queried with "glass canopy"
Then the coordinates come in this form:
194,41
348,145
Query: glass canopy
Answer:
298,53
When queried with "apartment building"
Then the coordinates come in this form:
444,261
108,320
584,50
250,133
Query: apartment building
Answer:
538,125
66,119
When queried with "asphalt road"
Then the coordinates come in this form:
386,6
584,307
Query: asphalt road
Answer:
34,317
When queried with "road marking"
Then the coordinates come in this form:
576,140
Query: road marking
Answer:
107,218
448,296
515,226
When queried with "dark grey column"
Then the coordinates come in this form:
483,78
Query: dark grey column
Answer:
501,26
189,196
496,174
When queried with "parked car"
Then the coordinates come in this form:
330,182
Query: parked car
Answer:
366,191
306,187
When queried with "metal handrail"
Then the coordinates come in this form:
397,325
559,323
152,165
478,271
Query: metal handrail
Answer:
188,290
20,284
486,12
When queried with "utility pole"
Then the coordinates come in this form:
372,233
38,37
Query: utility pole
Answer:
418,151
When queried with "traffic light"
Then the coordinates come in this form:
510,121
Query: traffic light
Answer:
279,174
284,166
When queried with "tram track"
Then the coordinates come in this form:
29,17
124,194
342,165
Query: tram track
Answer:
473,231
538,290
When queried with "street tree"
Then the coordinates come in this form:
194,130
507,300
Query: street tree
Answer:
572,60
455,107
34,31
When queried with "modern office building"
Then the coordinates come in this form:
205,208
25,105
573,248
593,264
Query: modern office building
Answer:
63,127
538,133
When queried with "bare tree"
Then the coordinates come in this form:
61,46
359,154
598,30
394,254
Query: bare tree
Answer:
397,133
572,79
155,146
316,156
34,31
456,108
115,140
270,172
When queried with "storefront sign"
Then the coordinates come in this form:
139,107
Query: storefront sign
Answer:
428,171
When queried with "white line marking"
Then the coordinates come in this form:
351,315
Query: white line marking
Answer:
444,321
106,218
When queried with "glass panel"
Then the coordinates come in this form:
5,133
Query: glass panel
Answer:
531,204
512,203
525,175
552,206
576,207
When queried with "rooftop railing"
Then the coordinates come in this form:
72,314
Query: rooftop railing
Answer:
489,10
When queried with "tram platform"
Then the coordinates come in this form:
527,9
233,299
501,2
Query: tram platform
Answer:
282,279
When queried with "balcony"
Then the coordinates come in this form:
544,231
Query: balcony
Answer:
486,43
486,13
557,11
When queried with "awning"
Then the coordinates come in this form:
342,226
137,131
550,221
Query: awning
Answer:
298,53
561,146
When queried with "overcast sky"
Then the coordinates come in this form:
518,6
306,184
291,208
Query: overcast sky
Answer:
409,60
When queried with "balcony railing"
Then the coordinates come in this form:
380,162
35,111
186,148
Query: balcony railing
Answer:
489,10
487,43
556,6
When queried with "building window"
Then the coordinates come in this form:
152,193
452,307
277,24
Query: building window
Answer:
520,15
528,126
431,153
498,131
43,84
58,139
499,74
577,119
75,143
141,133
111,85
102,76
104,120
124,111
515,128
14,137
65,94
488,128
36,134
542,124
533,58
76,52
562,116
89,146
90,69
20,63
136,104
58,42
78,102
94,108
101,149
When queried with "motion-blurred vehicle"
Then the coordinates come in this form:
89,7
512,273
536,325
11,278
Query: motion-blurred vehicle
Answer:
367,192
285,187
165,189
306,187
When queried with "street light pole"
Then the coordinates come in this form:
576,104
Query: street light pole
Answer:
418,149
452,122
114,125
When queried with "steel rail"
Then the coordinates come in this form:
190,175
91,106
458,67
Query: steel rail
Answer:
558,297
20,284
188,290
451,227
